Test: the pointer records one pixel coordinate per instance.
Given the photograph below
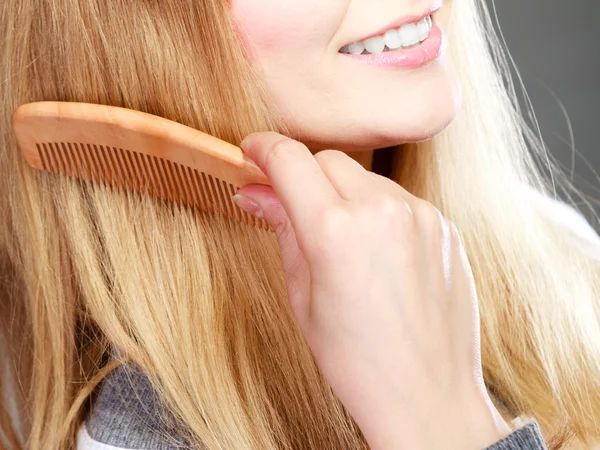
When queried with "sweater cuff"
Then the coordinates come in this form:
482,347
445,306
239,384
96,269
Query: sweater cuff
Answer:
528,437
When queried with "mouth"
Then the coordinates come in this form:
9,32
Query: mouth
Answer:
401,34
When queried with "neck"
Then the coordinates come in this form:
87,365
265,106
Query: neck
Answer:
380,161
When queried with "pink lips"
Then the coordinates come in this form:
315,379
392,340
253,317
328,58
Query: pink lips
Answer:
403,21
413,57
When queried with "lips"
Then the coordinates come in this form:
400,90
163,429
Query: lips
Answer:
397,24
404,37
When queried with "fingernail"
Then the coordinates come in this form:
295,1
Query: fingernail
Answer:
248,205
245,142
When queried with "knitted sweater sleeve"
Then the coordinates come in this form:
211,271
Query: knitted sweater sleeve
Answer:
527,437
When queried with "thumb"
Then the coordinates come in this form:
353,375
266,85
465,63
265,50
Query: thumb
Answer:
262,202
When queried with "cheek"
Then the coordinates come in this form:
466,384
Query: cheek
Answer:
277,26
266,24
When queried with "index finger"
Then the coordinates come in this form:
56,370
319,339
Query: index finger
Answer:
295,175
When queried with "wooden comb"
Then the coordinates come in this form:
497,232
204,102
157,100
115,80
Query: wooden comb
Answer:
138,151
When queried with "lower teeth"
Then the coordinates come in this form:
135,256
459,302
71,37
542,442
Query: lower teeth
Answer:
387,49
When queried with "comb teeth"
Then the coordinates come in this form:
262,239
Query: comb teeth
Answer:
143,173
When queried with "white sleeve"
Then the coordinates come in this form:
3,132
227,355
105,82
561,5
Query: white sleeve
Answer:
85,442
564,215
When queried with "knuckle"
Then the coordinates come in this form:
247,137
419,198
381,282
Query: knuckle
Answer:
454,233
283,229
430,218
329,155
280,150
385,181
329,159
388,207
389,215
450,237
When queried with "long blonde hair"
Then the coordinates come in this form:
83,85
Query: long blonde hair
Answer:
198,303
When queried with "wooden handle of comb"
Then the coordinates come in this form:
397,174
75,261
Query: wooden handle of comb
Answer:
122,128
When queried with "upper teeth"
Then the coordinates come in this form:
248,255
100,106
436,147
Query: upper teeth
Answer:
405,36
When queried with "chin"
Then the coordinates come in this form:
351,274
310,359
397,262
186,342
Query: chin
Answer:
368,134
380,119
380,126
418,132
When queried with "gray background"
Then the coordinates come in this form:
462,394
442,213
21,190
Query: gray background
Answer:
556,47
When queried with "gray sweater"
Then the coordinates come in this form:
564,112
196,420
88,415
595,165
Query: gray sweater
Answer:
127,414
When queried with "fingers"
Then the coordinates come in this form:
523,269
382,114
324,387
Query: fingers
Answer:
307,183
393,188
354,183
297,274
350,179
296,177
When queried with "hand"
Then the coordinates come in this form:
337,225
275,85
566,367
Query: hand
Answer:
383,292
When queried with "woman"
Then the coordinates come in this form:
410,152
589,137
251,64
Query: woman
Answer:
181,319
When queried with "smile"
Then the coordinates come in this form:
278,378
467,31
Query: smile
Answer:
407,36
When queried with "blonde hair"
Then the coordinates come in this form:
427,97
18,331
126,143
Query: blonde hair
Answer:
199,303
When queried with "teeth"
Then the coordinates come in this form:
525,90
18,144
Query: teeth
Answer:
408,35
405,36
375,45
392,40
422,31
356,48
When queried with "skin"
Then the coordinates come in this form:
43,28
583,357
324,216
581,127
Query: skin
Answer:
382,289
330,101
377,278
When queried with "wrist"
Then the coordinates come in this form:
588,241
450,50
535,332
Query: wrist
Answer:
482,427
472,424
